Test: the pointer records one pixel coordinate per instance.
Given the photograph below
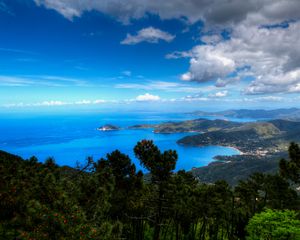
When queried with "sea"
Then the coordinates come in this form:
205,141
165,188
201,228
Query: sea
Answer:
71,138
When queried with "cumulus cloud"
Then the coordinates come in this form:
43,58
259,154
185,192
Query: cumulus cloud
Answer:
271,55
150,34
258,40
208,63
187,76
223,82
217,12
147,97
212,39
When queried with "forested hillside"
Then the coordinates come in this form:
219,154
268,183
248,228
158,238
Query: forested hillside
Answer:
108,199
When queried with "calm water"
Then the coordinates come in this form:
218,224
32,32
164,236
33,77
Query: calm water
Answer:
70,139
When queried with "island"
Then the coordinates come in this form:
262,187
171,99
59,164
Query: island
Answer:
108,127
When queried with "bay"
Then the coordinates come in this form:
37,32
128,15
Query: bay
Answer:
72,138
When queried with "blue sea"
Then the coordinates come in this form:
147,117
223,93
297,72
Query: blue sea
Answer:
71,138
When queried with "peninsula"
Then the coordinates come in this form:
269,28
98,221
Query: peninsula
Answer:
108,127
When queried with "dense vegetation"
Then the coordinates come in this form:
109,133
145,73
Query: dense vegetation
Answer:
109,199
272,136
235,168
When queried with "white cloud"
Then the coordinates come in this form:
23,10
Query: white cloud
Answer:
266,99
178,54
147,97
187,76
63,7
99,101
150,34
51,103
212,39
257,41
214,12
83,102
270,55
15,81
218,97
40,80
193,98
164,86
219,94
208,63
223,82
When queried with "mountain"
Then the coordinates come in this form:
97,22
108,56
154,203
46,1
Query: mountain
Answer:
290,113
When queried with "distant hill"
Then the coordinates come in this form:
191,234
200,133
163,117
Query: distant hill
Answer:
262,143
197,125
255,138
262,129
283,113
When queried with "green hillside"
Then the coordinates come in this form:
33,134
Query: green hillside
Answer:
108,199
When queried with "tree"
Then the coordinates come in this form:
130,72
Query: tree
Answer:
291,169
160,166
126,195
274,225
182,203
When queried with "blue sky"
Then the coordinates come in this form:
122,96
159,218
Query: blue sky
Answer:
71,54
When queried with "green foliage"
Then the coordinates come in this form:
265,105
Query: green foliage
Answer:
159,164
274,225
291,169
109,199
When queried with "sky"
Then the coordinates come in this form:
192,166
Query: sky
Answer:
180,55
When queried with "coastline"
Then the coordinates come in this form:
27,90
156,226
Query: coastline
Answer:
238,150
